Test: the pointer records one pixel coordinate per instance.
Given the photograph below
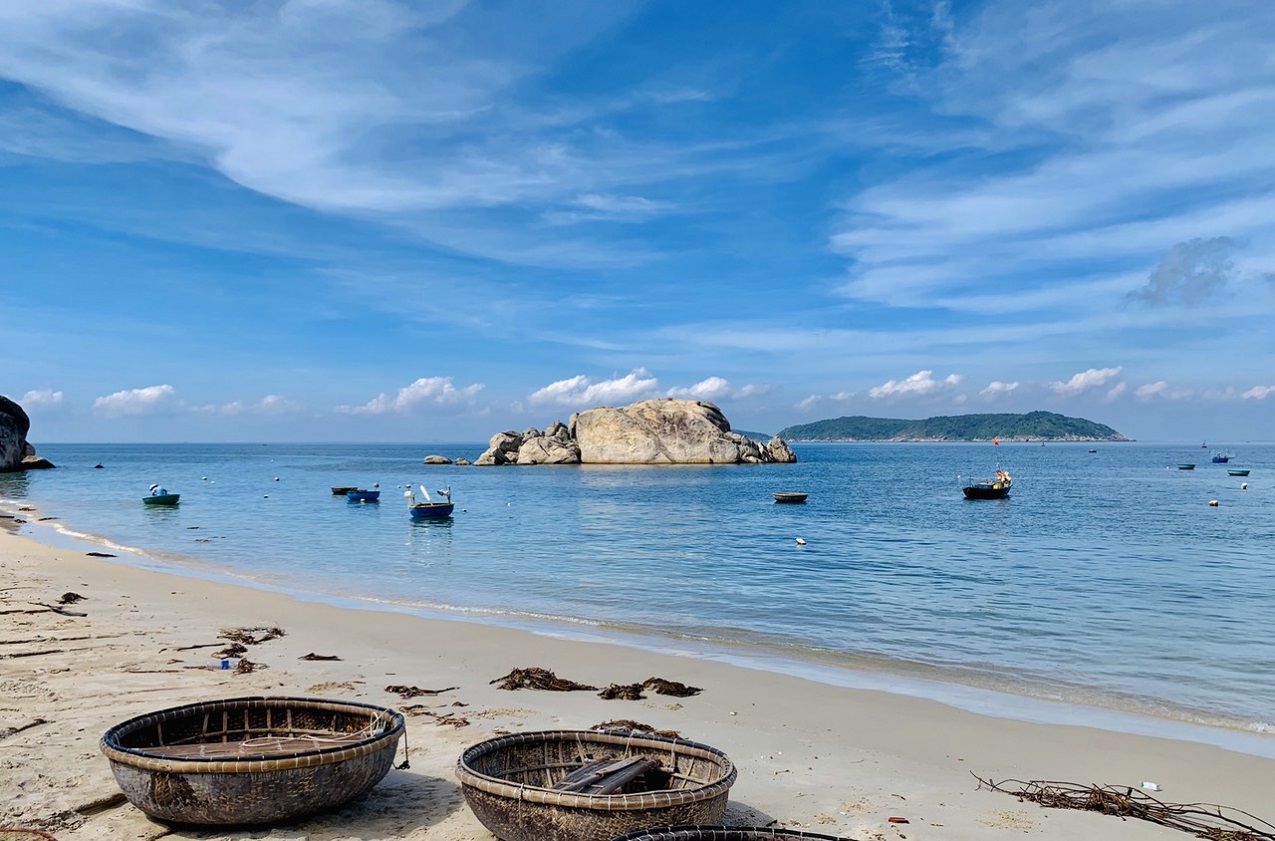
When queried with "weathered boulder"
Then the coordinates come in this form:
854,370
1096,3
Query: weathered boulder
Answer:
462,462
501,449
16,453
435,459
648,432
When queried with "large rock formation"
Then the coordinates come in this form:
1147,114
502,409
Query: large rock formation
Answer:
649,432
15,451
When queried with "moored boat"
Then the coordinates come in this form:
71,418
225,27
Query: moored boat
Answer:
997,488
789,497
363,495
429,509
1186,465
342,490
1237,471
1221,458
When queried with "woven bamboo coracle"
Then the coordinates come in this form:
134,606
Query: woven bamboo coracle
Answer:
251,760
700,832
508,783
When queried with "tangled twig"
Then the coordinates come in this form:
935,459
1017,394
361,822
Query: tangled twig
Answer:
1203,820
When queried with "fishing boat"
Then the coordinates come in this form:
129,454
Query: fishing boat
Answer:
429,509
1221,458
162,499
791,498
997,488
363,495
1204,445
342,490
1186,465
1237,471
160,496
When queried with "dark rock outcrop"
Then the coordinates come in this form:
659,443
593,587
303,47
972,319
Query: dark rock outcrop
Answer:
16,453
648,432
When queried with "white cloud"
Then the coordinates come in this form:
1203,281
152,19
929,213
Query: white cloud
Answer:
959,400
1117,390
997,388
135,401
584,391
275,404
41,397
1258,392
1156,389
436,390
602,208
809,403
1085,380
713,388
920,384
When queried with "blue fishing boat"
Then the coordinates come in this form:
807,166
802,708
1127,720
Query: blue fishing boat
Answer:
1221,458
1237,471
429,509
363,495
1186,465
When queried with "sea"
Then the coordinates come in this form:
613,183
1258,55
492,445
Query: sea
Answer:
1107,590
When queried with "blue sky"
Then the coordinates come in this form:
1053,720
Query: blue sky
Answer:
374,220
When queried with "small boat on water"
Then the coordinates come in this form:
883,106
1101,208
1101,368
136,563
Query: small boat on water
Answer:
790,498
997,488
1186,465
1204,445
363,495
342,490
160,496
1237,471
1221,458
162,499
1093,450
429,509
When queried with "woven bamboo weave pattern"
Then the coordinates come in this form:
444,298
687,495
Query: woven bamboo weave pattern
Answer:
508,783
251,760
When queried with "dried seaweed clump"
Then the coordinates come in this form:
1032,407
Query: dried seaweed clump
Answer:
1203,820
415,691
251,636
623,691
628,725
660,686
535,677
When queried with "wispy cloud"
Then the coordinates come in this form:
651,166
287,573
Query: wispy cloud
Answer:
136,401
1085,380
1259,392
1189,273
920,384
718,388
581,390
996,388
427,390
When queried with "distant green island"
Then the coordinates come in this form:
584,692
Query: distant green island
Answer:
1033,426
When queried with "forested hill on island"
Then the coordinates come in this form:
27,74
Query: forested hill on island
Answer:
1033,426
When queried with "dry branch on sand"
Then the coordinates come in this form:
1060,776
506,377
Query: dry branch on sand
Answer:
1204,820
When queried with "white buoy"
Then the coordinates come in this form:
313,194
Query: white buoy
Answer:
801,541
1213,503
1243,486
276,478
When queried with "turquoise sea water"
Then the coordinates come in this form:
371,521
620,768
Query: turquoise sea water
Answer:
1105,581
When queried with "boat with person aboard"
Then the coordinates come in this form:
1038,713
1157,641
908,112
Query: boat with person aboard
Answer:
1221,458
160,496
997,488
429,509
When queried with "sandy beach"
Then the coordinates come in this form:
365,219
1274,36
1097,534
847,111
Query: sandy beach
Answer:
810,756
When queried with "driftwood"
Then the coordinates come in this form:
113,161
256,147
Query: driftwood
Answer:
57,609
1203,820
537,678
100,555
70,598
313,656
6,732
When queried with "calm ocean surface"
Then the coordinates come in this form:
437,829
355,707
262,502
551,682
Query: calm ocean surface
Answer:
1105,581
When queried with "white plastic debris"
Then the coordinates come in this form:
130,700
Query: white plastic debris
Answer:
1150,786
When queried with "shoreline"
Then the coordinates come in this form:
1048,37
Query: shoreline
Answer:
812,756
1035,702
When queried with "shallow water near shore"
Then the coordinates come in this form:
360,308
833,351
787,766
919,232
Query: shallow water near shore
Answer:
1106,580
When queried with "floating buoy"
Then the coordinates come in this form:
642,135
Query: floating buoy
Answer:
203,478
276,478
1213,503
1243,486
801,541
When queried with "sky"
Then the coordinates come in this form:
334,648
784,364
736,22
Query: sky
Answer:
369,220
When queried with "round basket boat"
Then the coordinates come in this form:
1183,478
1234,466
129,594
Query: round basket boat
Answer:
251,760
509,783
701,832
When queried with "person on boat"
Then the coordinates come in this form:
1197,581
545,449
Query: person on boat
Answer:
156,490
1002,477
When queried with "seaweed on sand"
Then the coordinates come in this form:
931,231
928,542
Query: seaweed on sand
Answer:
535,677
